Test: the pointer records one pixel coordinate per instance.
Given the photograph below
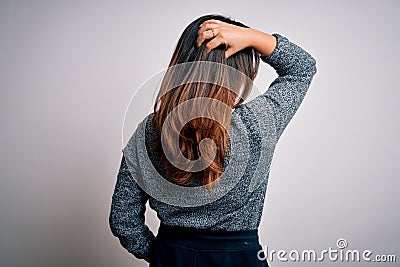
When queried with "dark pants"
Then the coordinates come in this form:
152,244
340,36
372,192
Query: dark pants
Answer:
183,247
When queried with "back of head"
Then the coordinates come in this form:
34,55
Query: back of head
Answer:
193,109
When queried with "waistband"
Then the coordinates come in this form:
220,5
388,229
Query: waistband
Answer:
209,239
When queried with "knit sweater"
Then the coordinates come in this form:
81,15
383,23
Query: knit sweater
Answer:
237,204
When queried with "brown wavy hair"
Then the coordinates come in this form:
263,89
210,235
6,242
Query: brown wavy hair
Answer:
200,82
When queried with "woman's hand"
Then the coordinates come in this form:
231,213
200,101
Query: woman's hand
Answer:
234,37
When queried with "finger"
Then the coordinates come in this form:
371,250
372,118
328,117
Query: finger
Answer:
213,23
210,22
206,35
229,52
213,44
207,27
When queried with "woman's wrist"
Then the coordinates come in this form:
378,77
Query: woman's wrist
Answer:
262,42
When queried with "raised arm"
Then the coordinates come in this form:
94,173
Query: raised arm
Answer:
294,66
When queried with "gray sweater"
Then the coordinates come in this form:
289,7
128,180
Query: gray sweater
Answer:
237,204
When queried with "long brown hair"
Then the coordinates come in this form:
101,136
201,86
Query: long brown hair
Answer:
196,81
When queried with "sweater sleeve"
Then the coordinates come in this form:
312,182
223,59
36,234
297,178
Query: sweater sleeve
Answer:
127,215
295,68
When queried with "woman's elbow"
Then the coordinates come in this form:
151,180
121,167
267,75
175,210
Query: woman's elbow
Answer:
311,64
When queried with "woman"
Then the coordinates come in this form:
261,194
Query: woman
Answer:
213,155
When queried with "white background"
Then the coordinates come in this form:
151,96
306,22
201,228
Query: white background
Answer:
69,68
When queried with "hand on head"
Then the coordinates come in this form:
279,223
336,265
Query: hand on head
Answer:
234,37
